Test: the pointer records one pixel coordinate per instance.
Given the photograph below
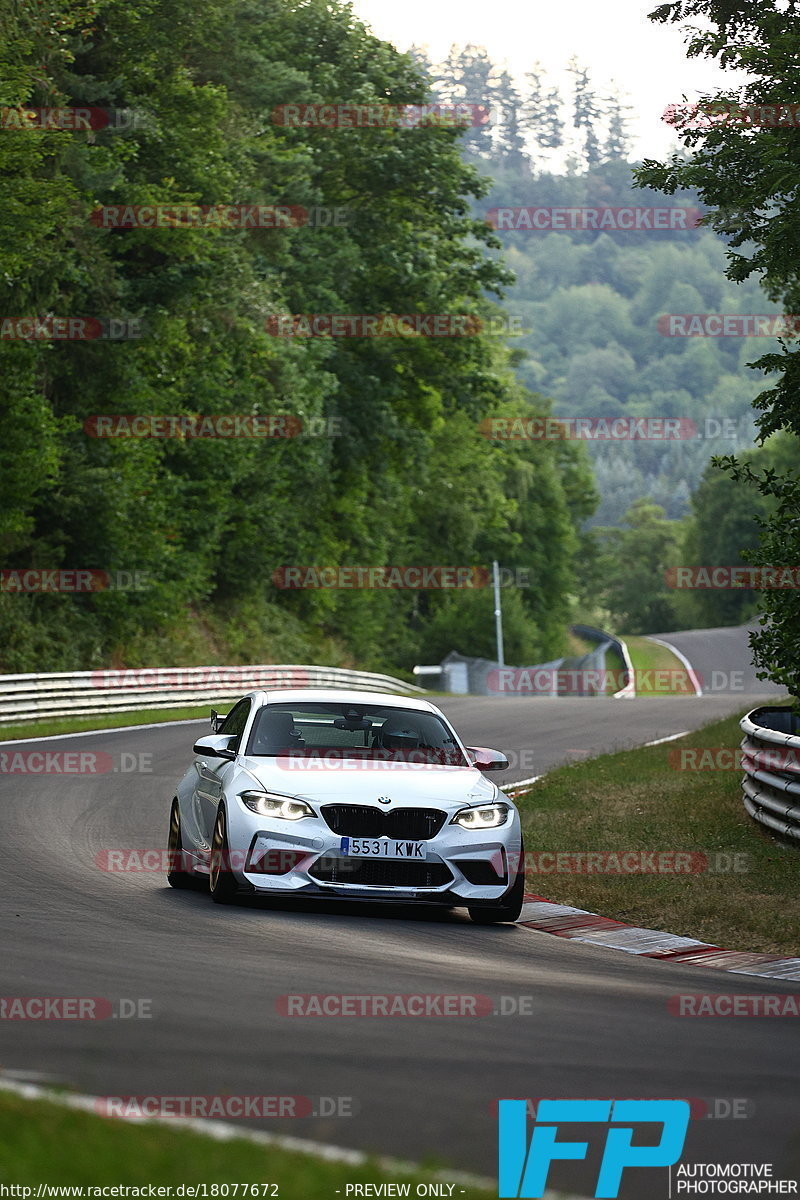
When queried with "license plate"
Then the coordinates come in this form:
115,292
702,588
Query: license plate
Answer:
381,848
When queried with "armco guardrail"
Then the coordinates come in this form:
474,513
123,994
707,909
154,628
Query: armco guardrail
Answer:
604,640
576,675
84,693
771,761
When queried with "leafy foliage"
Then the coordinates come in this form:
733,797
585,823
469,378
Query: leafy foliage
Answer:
746,171
207,522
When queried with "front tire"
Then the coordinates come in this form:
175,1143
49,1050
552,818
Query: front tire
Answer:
509,907
221,880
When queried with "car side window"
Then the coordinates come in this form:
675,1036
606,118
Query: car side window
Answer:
234,723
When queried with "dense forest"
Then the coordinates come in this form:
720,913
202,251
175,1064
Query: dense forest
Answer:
587,305
199,524
588,302
383,463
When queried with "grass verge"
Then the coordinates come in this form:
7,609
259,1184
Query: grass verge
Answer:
647,800
615,672
53,726
46,1143
658,672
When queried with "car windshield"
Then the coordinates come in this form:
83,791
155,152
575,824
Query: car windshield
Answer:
365,731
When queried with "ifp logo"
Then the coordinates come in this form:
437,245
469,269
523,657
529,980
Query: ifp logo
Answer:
523,1170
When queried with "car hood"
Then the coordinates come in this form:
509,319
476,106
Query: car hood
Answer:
361,783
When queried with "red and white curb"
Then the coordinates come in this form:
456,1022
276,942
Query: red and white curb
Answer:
582,926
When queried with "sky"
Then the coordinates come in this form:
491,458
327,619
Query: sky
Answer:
614,39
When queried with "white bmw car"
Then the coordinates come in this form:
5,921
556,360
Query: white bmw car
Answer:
346,795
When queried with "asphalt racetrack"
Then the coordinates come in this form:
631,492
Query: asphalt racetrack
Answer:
595,1023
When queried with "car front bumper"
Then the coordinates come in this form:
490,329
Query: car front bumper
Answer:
460,867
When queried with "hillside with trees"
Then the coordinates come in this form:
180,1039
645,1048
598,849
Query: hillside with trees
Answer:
588,303
747,176
389,466
203,524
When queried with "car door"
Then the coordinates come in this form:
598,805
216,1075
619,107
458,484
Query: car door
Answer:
208,788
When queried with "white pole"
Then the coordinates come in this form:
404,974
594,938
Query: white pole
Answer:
498,614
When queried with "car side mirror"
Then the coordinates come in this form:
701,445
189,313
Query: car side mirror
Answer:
486,759
215,746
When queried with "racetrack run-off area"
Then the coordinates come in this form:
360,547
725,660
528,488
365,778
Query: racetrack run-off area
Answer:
578,1021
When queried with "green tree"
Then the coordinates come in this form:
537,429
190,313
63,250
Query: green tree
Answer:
510,133
470,76
208,521
632,563
586,114
541,114
744,173
617,143
726,520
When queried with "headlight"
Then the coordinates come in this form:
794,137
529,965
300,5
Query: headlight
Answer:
486,816
271,804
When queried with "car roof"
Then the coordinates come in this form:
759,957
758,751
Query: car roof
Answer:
345,696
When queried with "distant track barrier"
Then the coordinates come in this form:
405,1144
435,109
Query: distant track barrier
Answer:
771,761
576,675
606,641
84,693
